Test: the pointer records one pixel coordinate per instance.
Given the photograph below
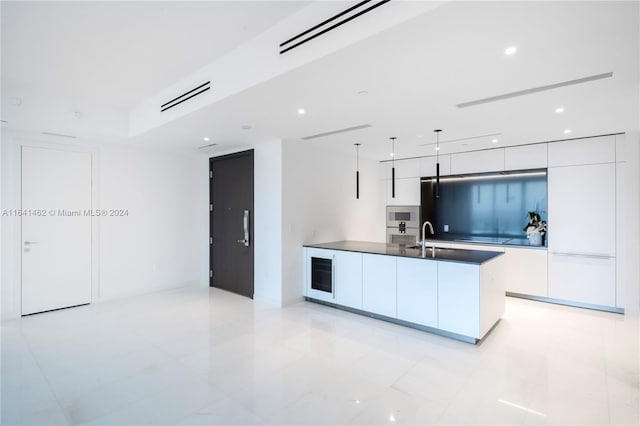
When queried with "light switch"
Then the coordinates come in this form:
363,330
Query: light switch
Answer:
446,228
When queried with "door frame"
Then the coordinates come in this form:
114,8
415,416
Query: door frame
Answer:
251,153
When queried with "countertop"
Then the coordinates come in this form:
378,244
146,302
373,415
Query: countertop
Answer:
444,254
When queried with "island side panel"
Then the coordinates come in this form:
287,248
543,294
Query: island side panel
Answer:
459,298
492,292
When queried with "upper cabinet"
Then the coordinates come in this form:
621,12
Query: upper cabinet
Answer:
407,192
579,152
491,160
526,157
428,165
404,168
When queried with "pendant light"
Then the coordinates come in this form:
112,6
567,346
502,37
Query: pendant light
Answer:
393,166
357,170
437,132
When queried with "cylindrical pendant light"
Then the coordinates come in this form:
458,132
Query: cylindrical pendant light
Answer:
393,167
437,132
357,170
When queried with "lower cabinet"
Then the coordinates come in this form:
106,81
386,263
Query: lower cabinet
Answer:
348,278
417,286
583,278
526,271
458,298
379,284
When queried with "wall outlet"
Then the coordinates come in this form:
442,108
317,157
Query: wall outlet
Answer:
446,228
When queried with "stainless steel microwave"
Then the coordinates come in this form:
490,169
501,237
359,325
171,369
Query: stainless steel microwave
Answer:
409,215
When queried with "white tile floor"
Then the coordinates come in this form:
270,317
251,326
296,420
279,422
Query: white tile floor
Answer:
199,356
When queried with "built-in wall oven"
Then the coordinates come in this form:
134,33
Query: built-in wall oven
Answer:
403,224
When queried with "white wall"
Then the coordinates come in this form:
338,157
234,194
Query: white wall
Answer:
161,244
319,205
163,241
268,224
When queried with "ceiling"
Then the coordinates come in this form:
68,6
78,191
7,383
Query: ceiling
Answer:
417,72
118,53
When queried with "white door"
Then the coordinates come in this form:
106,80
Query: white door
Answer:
56,232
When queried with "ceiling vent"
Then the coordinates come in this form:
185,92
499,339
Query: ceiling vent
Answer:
207,146
335,132
59,135
186,96
468,138
536,90
330,24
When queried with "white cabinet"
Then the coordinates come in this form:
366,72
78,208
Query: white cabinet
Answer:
458,298
526,271
585,279
428,166
404,168
582,217
491,160
526,157
417,286
407,192
379,284
583,151
463,246
348,278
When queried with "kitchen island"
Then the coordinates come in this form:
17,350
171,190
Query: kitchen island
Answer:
453,292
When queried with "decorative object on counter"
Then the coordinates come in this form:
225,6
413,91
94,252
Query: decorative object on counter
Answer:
357,170
393,166
437,132
535,229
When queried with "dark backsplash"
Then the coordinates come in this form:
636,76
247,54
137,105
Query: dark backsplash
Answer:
484,207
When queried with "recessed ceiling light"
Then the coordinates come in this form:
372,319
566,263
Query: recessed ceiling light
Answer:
246,127
510,50
494,140
567,131
437,148
391,154
559,110
301,111
392,419
206,139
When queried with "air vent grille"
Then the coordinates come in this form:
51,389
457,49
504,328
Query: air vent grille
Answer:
325,26
335,132
59,135
186,96
535,90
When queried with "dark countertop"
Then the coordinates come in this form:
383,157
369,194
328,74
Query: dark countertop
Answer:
450,255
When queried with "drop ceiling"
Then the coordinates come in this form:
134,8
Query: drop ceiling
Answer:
407,81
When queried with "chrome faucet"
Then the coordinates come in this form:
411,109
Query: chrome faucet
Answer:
424,239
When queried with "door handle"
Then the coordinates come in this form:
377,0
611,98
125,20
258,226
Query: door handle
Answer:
245,224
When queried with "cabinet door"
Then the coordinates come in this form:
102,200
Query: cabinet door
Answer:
582,279
404,168
407,192
526,157
459,298
379,284
428,165
582,151
526,271
491,160
418,291
582,217
348,279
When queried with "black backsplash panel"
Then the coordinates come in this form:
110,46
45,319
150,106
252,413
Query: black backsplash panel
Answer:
484,207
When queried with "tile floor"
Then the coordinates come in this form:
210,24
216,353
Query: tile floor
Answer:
199,356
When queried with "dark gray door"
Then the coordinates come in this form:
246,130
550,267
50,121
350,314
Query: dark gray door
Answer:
231,222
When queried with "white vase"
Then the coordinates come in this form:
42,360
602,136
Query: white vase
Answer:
535,239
